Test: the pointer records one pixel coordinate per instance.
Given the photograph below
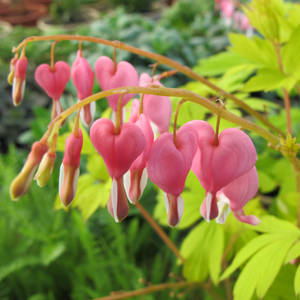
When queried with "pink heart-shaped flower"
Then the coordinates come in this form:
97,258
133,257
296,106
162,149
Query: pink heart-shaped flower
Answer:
118,151
53,81
157,108
82,76
168,165
217,166
109,78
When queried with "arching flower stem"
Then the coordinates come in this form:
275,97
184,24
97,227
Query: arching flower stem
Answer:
52,56
216,139
175,121
141,104
161,60
187,95
119,115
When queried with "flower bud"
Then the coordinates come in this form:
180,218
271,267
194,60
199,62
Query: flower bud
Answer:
22,182
69,170
11,75
19,81
45,169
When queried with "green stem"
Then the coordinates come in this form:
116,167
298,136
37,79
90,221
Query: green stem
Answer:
187,95
161,60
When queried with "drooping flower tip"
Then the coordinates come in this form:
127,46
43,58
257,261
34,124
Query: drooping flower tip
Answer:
45,169
69,169
21,184
174,207
19,81
117,204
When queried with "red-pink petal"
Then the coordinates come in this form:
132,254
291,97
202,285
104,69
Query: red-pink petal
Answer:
167,165
109,78
118,151
157,108
83,77
53,81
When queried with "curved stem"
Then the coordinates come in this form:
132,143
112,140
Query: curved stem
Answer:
52,56
175,121
119,115
159,231
141,104
162,60
216,139
187,95
149,289
115,59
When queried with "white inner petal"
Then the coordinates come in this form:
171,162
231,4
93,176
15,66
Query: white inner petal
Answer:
61,178
166,202
127,183
155,130
144,180
13,87
180,208
75,182
114,198
208,206
23,88
224,209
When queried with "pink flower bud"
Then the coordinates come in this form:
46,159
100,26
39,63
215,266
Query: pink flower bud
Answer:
11,75
217,166
69,169
22,182
83,78
19,81
118,152
157,108
109,78
135,180
45,169
168,166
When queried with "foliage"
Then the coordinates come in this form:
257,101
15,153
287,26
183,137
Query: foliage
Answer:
261,262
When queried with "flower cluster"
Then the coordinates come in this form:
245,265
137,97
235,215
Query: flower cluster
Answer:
232,17
224,164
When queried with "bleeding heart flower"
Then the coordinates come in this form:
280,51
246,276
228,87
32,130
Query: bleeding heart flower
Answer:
135,179
168,166
19,80
234,196
21,184
157,108
69,169
110,78
227,10
118,152
217,166
53,81
83,78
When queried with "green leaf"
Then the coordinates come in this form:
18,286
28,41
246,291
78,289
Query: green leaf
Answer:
93,197
290,61
266,79
219,63
293,253
266,183
247,251
259,104
202,249
262,269
297,282
51,252
258,51
271,224
95,165
283,286
18,264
